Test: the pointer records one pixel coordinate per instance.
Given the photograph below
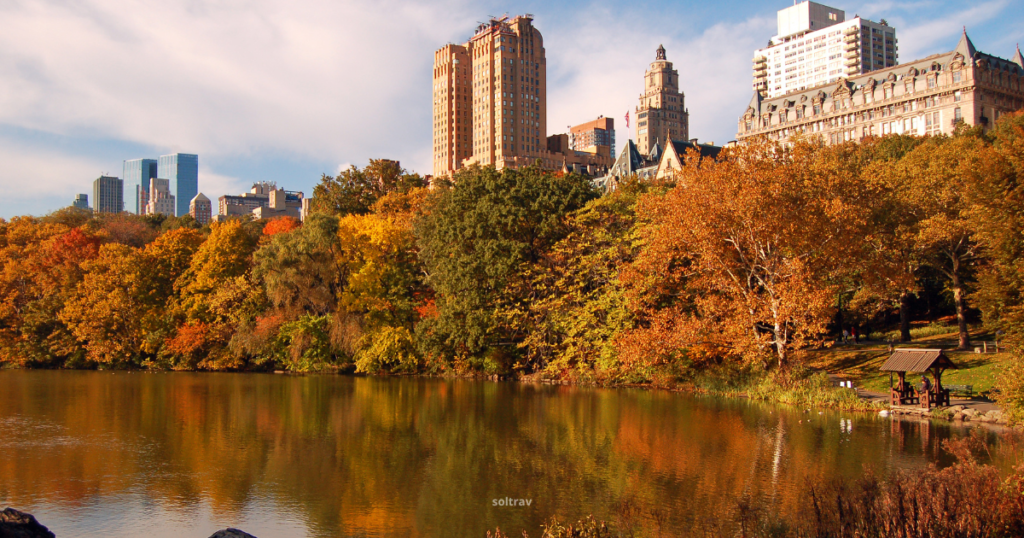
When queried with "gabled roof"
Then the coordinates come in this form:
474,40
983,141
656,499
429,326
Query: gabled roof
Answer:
629,161
1018,59
655,152
965,46
706,150
916,360
755,101
200,198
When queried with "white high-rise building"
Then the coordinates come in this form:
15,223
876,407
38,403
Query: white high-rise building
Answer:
816,45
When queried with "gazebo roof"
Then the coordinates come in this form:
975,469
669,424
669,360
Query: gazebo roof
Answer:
916,360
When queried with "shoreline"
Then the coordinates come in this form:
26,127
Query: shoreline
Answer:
961,412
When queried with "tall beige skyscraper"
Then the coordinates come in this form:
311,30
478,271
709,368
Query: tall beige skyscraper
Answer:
662,111
490,98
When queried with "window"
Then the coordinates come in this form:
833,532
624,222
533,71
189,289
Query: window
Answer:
888,93
958,116
957,96
931,82
956,77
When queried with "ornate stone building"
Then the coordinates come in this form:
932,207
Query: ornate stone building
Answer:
490,102
927,96
662,113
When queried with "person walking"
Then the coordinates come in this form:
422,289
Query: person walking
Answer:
846,336
853,331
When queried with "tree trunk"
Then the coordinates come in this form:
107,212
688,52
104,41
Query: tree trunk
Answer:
961,318
904,316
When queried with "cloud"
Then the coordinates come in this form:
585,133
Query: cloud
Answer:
269,90
305,78
920,38
591,72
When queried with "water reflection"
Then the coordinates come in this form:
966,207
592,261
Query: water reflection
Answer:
107,454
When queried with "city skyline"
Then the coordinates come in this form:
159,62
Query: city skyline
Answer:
296,103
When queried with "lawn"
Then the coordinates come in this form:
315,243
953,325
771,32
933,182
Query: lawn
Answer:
861,363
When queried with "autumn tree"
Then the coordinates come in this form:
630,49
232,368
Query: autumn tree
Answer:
354,191
107,310
887,271
41,263
279,225
384,284
998,218
755,244
937,186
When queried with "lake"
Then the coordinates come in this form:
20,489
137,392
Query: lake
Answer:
110,454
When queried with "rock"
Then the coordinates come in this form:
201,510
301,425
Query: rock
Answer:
970,412
15,524
958,416
883,413
231,533
957,408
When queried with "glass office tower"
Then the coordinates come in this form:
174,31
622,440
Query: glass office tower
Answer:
182,169
137,173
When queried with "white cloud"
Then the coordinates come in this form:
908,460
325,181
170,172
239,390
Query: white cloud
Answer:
312,79
213,185
343,82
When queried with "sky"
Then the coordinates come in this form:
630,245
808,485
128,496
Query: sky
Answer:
286,91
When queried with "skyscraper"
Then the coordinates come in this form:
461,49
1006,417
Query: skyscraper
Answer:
108,195
137,173
816,45
662,111
490,98
182,172
81,201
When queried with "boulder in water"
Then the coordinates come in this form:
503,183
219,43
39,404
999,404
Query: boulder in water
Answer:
15,524
231,533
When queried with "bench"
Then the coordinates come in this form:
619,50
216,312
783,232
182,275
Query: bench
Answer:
961,389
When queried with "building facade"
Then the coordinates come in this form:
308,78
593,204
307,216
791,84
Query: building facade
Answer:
490,97
159,200
182,172
136,176
592,135
108,195
201,209
264,200
924,97
816,45
81,201
662,113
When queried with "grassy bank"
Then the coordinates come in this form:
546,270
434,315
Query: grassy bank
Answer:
860,363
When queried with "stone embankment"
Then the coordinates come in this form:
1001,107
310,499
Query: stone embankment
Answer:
15,524
957,413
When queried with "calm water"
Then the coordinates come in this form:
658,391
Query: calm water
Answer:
178,454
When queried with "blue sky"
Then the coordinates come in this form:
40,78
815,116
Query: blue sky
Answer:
286,91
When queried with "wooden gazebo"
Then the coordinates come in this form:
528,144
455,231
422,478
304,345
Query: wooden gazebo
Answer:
921,361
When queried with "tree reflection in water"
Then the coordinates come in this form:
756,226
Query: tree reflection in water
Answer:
105,453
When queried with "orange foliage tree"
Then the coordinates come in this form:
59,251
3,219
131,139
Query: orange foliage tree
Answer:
742,256
280,225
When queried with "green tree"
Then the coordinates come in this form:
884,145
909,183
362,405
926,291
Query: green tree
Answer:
476,237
